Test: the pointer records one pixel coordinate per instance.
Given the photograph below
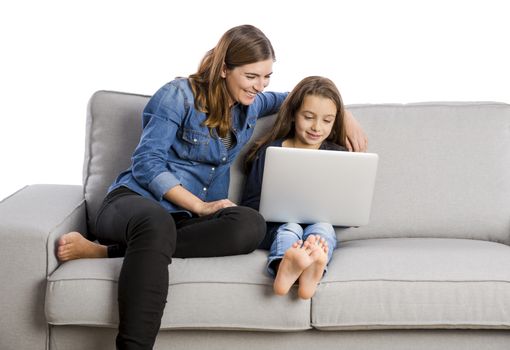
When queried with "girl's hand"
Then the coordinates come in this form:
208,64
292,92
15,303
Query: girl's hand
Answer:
206,208
356,140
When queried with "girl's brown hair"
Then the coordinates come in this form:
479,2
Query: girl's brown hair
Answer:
284,124
240,45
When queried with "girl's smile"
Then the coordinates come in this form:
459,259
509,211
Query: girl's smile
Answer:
313,122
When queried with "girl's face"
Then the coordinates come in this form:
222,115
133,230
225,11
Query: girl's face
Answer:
313,121
245,82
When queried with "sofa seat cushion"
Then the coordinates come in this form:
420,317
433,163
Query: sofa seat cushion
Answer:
214,293
415,283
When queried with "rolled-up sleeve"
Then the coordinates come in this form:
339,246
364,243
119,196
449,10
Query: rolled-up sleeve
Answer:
161,119
162,183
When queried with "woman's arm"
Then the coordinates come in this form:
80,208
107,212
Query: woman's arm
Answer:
268,103
356,140
149,160
187,200
161,118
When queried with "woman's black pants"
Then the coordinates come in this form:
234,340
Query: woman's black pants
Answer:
148,237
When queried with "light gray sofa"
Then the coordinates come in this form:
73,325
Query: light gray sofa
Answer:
430,271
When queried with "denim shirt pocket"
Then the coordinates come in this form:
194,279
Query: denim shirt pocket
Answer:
194,145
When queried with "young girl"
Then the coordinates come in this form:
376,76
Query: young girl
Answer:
311,117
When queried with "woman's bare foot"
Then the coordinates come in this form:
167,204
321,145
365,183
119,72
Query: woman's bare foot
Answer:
295,260
312,275
73,245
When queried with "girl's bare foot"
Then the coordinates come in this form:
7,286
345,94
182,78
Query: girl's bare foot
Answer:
73,245
295,260
312,275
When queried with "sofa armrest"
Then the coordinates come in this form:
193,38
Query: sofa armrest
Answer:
31,220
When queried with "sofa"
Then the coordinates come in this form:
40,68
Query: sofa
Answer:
430,271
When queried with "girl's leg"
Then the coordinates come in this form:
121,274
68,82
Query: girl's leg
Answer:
320,240
324,230
288,258
148,232
286,235
229,231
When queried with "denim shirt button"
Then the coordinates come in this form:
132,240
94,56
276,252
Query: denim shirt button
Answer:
205,188
213,169
224,159
195,140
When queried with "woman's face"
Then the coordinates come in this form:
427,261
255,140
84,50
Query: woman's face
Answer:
314,121
245,82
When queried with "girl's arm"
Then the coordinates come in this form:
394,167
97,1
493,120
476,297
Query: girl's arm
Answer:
268,103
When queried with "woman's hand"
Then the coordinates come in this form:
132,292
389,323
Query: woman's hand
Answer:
187,200
206,208
356,139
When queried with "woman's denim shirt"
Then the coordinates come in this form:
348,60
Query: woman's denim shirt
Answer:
177,149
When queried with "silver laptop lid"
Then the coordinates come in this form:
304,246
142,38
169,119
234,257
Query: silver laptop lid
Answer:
311,186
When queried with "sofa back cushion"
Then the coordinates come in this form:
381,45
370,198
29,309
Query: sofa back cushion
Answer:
114,126
444,168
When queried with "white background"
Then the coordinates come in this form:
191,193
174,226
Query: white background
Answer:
55,54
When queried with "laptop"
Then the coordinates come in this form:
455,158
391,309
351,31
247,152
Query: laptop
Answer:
310,186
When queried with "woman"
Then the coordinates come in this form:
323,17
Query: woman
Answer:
172,201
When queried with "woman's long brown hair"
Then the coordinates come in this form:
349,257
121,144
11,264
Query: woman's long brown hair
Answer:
240,45
284,124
